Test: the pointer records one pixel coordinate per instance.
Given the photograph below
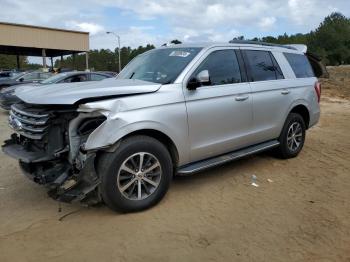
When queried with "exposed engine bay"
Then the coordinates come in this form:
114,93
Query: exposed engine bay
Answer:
49,144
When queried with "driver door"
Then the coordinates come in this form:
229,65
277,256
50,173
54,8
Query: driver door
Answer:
220,111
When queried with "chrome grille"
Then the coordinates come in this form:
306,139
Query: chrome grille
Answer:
33,124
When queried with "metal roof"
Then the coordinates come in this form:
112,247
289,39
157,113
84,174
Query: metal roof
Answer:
235,43
29,40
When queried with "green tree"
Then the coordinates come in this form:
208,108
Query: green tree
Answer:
331,39
10,62
103,59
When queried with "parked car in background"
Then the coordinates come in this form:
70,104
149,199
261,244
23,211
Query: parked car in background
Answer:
8,97
7,74
112,74
172,110
24,78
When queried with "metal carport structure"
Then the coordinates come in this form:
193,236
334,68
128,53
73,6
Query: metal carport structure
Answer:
28,40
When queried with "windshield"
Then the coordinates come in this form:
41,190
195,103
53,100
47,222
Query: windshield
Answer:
54,79
159,65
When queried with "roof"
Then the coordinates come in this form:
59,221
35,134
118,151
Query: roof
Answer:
44,27
29,40
207,45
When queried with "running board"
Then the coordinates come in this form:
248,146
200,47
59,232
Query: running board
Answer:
219,160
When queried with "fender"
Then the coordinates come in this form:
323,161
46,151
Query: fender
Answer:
102,137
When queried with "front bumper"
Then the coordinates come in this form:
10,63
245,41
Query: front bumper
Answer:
65,181
15,150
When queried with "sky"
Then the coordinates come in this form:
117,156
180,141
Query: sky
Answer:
160,21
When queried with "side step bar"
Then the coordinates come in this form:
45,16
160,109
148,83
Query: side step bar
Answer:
219,160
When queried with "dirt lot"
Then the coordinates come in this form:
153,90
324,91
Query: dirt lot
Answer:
303,215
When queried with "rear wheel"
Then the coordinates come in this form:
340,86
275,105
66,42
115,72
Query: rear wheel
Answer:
137,175
292,137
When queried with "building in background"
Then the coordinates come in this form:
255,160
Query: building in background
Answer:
27,40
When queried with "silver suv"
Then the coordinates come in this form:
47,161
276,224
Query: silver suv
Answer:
172,110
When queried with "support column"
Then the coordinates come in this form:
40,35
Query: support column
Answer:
18,63
44,58
51,63
74,66
87,60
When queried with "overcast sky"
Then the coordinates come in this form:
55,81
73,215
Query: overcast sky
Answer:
158,21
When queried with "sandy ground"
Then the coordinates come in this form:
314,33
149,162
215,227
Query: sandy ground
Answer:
303,215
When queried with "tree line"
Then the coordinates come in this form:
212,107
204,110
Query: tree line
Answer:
330,40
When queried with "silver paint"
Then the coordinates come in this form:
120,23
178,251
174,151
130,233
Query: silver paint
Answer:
201,123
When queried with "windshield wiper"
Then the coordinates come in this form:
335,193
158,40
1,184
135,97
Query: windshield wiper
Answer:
132,75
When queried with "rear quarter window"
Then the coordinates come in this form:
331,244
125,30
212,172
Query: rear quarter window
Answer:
262,65
300,65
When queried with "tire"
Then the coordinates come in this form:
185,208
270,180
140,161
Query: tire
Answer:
290,146
121,181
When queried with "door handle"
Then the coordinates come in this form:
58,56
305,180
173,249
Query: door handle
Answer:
241,98
285,92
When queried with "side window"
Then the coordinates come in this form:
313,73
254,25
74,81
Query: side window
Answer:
76,78
31,76
5,74
300,65
262,65
45,76
223,68
97,77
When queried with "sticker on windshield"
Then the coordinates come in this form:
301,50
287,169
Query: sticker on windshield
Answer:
179,53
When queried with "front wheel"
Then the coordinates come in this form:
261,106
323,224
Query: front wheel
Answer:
292,137
137,175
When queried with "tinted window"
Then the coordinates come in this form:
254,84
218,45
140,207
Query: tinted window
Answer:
45,75
300,65
76,78
261,65
97,77
223,68
5,74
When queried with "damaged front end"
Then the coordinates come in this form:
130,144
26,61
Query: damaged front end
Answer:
49,144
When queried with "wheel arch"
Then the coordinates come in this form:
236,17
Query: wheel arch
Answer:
161,137
303,111
156,134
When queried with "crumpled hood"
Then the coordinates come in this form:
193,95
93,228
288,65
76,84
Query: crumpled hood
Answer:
70,93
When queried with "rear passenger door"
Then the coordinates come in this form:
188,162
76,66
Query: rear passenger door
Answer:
220,112
270,93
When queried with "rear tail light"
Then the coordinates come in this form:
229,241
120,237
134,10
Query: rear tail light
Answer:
318,90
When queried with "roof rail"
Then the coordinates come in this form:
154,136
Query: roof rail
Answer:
261,43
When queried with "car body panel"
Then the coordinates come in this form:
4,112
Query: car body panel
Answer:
219,128
68,94
162,111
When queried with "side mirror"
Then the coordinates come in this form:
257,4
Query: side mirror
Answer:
201,78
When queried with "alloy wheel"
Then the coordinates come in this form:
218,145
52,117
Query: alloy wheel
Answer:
139,176
294,136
